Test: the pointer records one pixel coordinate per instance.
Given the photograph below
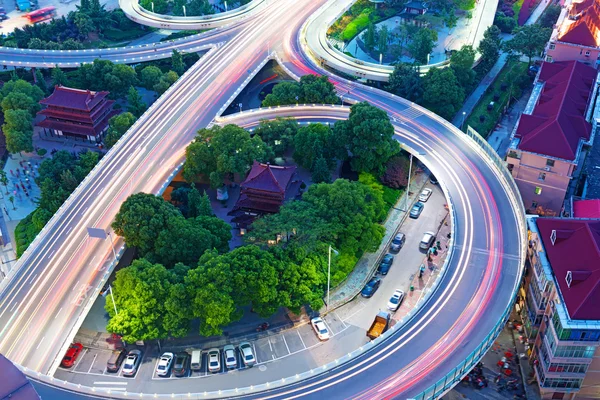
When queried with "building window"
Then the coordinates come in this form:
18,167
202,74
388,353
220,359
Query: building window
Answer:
534,204
538,190
587,53
549,163
552,46
542,176
549,58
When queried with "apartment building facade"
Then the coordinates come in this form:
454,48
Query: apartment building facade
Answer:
562,306
546,144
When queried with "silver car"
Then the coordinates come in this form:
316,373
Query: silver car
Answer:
230,357
214,360
132,362
164,364
247,353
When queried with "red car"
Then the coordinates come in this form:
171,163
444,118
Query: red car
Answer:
71,356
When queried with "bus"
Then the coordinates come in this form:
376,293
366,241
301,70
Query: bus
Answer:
43,14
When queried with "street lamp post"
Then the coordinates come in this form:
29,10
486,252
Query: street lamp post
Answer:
152,5
408,185
113,299
184,13
329,273
463,120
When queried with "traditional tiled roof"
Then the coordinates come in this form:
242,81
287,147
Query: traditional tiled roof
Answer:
586,208
75,99
575,261
585,30
417,5
269,178
557,123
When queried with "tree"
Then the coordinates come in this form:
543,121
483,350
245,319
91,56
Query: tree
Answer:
284,93
506,23
422,45
84,23
312,142
117,126
490,45
4,180
18,131
311,89
461,63
16,90
368,135
406,82
135,103
382,40
199,7
143,294
122,77
18,101
177,63
320,171
219,229
220,152
150,75
528,40
396,172
142,218
550,16
278,133
198,204
41,81
59,77
165,82
370,36
442,93
156,6
12,201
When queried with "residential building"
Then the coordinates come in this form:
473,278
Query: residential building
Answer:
75,113
586,208
412,10
263,192
546,144
561,314
576,35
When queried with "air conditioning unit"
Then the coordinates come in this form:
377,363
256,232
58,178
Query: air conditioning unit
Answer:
547,168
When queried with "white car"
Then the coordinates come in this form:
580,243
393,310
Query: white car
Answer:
425,195
164,364
247,353
132,362
320,328
230,356
214,360
396,300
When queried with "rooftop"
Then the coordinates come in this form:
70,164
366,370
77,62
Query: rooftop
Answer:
586,208
557,123
572,247
583,25
269,178
76,99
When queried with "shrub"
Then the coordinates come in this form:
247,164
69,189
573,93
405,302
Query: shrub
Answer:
396,172
42,152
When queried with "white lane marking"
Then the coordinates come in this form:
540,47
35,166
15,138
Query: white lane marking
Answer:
255,353
51,254
300,336
338,317
110,383
58,313
32,279
113,389
93,361
38,346
75,286
270,345
14,305
80,358
285,341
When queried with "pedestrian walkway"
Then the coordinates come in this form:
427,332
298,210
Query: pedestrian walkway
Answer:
365,267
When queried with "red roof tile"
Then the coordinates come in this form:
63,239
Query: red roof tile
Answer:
586,208
73,98
575,250
578,7
586,30
270,178
558,120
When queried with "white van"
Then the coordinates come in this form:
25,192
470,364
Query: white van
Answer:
196,360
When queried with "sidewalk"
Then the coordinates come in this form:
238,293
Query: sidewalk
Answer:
365,267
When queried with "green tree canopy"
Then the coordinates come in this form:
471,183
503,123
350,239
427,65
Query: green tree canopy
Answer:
461,63
369,137
18,130
220,152
278,133
135,103
117,126
422,44
443,94
528,40
311,89
405,81
312,142
150,75
177,63
490,45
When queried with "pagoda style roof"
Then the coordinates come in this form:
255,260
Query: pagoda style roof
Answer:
77,99
268,178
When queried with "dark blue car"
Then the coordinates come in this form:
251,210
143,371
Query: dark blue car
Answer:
371,287
386,264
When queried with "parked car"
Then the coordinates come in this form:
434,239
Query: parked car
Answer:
427,241
164,364
132,362
385,264
416,210
71,355
181,364
196,363
425,195
230,356
320,328
396,300
398,242
433,180
214,360
247,354
371,287
116,359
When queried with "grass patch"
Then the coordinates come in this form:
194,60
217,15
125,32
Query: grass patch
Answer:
517,9
180,34
357,25
358,17
514,79
466,5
